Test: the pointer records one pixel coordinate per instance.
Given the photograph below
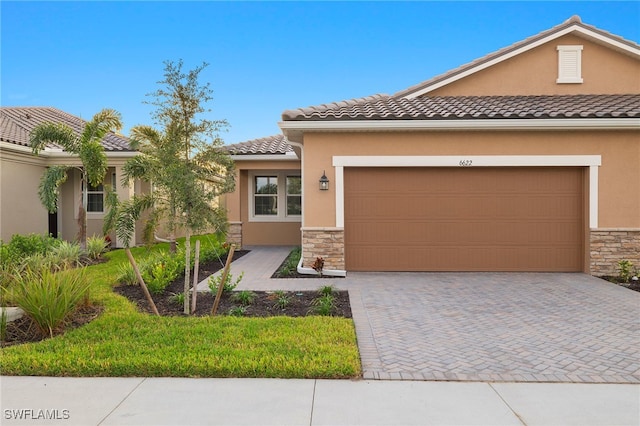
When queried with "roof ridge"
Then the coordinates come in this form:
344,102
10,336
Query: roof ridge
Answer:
573,20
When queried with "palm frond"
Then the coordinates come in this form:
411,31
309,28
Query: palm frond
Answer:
53,177
94,160
56,133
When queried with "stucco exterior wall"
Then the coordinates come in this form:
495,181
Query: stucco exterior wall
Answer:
21,211
535,72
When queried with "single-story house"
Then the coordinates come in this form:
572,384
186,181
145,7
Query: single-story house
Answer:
21,211
527,159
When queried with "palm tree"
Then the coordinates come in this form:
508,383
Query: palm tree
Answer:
88,147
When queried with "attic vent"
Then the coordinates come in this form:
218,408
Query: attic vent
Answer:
569,64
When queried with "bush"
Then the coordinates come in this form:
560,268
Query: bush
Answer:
625,270
229,284
323,305
48,298
126,274
66,255
326,290
161,270
244,297
23,246
96,246
290,265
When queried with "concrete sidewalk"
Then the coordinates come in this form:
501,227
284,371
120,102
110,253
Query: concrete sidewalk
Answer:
177,401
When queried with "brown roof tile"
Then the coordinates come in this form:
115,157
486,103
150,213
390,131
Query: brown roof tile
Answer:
384,107
16,124
275,145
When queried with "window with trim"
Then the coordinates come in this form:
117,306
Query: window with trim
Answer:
95,198
275,196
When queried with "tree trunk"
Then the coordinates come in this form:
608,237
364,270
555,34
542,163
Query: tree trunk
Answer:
145,290
224,278
196,268
187,269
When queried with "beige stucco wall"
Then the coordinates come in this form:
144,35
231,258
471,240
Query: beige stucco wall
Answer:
619,175
535,72
20,209
237,205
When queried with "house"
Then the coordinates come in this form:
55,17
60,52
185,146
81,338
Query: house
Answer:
527,159
21,211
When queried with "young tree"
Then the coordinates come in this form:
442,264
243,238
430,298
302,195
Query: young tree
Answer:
88,147
185,162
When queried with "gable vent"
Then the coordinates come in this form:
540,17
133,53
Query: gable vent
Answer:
569,64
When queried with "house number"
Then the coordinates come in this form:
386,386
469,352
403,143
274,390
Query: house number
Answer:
466,163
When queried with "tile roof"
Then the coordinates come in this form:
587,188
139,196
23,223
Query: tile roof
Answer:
574,21
385,107
16,124
275,145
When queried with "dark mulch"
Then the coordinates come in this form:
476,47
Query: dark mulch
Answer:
263,305
633,285
24,330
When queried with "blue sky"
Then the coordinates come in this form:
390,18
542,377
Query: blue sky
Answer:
264,57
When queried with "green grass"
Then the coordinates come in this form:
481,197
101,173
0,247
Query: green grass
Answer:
124,342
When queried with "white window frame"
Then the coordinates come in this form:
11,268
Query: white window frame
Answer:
569,64
281,176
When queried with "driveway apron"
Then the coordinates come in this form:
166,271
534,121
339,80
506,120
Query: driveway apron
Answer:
528,327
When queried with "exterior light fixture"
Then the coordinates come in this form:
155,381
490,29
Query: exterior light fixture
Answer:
324,182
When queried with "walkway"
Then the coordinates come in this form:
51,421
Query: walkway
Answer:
499,327
182,401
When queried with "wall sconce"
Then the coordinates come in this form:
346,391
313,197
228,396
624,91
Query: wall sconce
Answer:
324,182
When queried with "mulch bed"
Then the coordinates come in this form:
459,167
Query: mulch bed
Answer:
264,304
633,285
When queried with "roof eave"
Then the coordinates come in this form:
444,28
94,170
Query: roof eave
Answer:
294,130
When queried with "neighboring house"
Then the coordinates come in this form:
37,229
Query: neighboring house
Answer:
527,159
21,211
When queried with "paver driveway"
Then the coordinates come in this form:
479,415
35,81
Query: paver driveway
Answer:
495,327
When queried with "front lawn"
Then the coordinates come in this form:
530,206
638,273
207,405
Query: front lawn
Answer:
125,342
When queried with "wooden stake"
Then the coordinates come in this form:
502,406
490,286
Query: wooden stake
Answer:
195,278
145,290
224,279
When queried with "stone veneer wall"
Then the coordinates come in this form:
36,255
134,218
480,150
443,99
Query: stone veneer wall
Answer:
234,234
608,246
327,243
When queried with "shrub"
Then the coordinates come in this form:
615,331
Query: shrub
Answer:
48,298
229,284
66,255
326,290
178,298
238,311
282,299
625,270
290,265
323,305
23,246
126,274
96,246
161,271
244,297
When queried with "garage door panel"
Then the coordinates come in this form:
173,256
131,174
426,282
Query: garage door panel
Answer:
441,219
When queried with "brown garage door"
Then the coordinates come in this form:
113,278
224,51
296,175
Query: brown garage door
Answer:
464,219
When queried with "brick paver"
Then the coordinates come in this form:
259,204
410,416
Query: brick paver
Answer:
524,327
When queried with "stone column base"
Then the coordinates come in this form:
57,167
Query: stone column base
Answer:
234,234
609,246
327,243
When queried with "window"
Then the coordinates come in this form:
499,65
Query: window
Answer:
569,64
275,196
266,196
95,199
294,195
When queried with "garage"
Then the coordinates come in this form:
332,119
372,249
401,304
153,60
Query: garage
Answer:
464,219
